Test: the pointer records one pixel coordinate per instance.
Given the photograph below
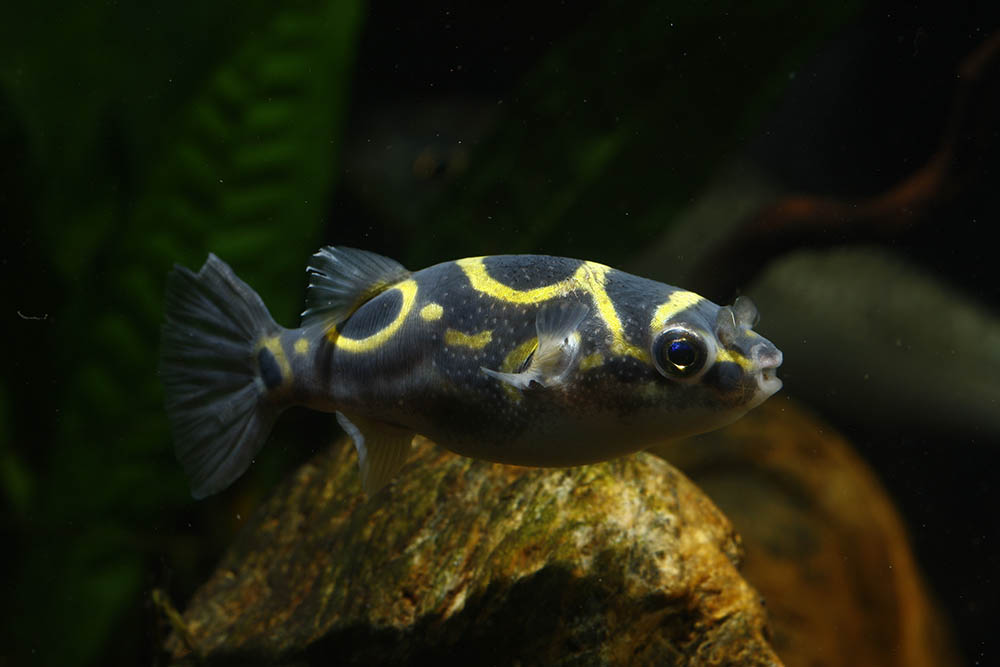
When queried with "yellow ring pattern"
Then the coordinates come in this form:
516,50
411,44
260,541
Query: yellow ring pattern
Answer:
408,289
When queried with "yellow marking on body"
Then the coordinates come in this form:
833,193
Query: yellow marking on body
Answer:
678,301
516,357
431,312
408,290
482,281
592,360
301,347
475,341
513,361
273,345
735,357
590,277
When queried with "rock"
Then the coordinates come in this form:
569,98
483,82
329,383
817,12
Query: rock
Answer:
824,544
622,562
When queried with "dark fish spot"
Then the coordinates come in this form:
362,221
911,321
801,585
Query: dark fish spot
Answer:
725,376
270,372
374,315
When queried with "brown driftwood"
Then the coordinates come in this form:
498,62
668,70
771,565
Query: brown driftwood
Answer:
824,544
798,221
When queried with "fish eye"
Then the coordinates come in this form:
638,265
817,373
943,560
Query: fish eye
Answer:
679,353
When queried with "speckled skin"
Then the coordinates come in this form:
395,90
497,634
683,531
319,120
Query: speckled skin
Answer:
413,355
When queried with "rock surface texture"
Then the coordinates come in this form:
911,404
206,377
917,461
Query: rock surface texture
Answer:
625,562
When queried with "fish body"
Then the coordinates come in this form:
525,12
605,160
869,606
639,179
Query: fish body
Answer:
520,359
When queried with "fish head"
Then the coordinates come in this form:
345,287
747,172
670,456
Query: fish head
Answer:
715,364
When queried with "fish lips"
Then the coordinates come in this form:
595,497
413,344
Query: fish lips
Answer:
767,358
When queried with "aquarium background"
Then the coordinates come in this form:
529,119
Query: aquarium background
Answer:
640,134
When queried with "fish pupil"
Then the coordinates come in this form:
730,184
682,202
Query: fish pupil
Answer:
681,353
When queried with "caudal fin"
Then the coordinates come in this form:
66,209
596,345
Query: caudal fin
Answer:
216,400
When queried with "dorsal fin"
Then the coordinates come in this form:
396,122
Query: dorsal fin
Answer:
341,279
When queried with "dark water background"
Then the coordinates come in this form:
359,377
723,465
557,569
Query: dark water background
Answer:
132,137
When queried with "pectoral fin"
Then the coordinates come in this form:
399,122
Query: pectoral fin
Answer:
558,347
382,449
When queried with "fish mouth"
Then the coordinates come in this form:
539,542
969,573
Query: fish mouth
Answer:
768,381
768,360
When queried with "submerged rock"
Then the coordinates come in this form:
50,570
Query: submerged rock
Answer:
621,562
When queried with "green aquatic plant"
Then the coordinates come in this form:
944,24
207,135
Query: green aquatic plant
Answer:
235,152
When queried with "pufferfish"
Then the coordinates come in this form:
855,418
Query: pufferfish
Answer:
519,359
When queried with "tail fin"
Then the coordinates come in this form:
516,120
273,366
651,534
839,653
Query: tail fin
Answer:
216,400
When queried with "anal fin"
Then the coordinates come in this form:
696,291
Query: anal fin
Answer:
382,449
557,325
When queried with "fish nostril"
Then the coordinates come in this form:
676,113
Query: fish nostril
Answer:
767,356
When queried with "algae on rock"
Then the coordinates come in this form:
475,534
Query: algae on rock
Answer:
620,562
